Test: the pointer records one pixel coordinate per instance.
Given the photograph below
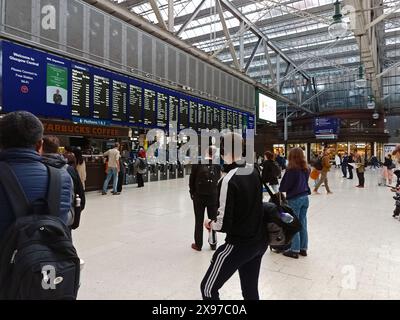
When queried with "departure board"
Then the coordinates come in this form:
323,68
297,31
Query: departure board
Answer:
240,121
135,104
149,107
101,97
216,120
80,93
184,114
119,98
209,117
202,117
235,120
173,111
229,119
223,119
193,116
162,110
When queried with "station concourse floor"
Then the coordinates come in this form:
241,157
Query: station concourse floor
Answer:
137,246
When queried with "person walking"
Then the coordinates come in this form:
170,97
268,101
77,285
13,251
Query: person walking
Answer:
338,161
240,216
388,167
345,164
112,169
360,170
350,166
140,167
295,184
326,166
80,166
374,162
203,188
271,171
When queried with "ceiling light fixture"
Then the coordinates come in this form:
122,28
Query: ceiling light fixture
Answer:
338,27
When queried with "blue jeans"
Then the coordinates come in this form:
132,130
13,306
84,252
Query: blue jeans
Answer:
300,207
111,173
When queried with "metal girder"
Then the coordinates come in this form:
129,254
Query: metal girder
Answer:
269,62
157,12
252,55
237,14
283,81
227,35
191,18
382,17
387,70
241,45
171,16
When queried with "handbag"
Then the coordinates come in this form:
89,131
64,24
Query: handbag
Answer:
314,175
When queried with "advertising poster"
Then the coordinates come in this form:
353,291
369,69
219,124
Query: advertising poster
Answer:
57,85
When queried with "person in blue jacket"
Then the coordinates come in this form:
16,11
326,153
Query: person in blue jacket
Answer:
21,136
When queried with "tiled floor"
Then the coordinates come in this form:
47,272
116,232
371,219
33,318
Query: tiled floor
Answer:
137,246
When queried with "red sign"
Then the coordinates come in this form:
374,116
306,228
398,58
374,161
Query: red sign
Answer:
24,89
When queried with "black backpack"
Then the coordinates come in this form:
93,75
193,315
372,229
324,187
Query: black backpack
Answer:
37,258
280,232
207,180
318,164
142,164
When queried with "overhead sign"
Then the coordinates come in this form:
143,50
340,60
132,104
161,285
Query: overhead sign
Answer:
266,108
326,126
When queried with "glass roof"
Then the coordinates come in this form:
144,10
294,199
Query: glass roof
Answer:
299,28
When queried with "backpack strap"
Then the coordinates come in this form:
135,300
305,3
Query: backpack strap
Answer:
264,184
53,196
15,194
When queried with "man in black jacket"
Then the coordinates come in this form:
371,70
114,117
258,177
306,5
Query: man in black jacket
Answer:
51,157
203,185
271,171
240,216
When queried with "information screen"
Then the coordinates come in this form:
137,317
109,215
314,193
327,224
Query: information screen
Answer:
266,108
119,101
240,121
149,107
223,119
229,119
235,120
217,120
202,117
194,116
173,111
80,93
210,117
101,98
135,104
184,114
162,110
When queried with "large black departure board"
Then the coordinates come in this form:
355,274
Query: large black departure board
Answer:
202,117
119,101
194,115
209,117
162,111
149,107
216,120
235,120
80,93
101,97
173,111
240,121
223,119
135,104
184,114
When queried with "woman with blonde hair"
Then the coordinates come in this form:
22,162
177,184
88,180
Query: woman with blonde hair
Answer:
295,184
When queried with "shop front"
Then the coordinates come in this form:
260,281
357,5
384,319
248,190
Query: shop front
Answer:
93,141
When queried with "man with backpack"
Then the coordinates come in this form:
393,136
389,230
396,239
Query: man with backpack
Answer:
271,172
140,167
35,210
325,166
203,188
51,157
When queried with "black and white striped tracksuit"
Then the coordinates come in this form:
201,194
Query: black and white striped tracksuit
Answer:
240,216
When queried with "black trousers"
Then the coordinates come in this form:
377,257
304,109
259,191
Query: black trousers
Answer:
361,178
121,178
350,172
139,179
200,206
226,261
344,170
